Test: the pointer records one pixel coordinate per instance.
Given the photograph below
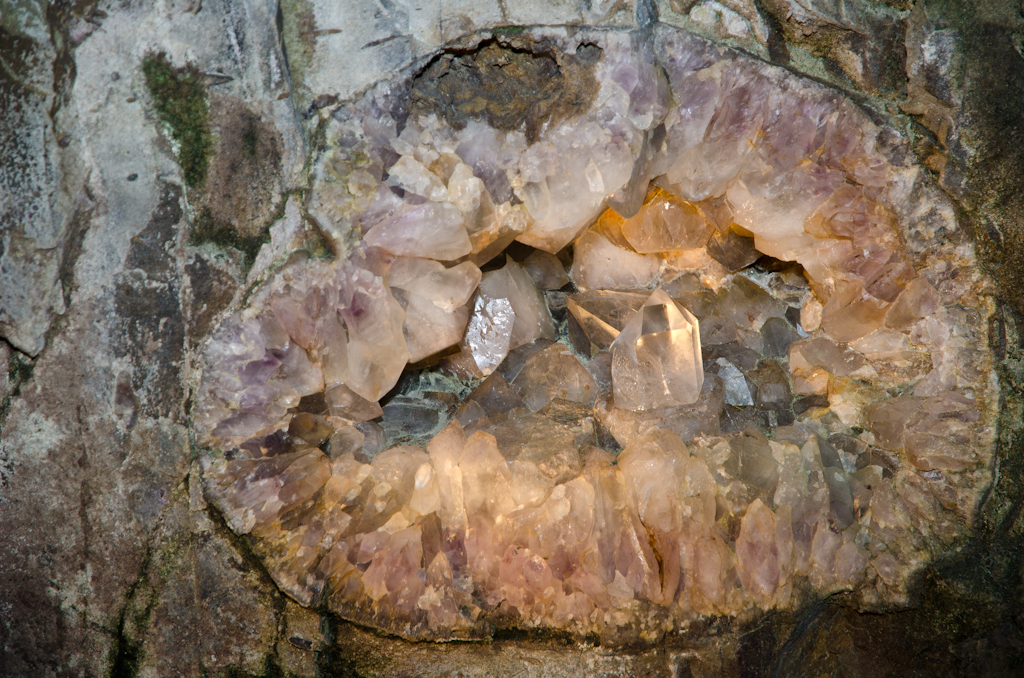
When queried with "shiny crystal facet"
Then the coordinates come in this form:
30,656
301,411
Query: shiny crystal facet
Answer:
489,332
656,359
666,223
603,313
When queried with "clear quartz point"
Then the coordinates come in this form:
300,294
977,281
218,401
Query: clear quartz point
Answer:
656,359
604,313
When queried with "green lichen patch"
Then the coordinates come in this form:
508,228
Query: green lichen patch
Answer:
509,30
19,371
182,103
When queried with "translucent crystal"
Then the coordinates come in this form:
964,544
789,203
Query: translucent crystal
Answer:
495,231
532,317
364,342
570,191
491,398
665,223
918,300
603,313
489,332
413,177
348,405
603,258
467,192
852,312
554,373
546,270
656,359
737,392
509,311
431,230
435,300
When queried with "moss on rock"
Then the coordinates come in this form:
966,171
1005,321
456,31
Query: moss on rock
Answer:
181,100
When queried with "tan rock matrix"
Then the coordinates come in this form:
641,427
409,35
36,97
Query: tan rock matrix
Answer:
701,347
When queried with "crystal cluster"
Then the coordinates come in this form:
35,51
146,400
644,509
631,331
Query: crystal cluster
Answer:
707,346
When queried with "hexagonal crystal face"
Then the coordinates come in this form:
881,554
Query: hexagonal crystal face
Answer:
656,359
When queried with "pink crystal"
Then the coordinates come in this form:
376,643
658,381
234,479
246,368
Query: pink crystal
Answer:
430,230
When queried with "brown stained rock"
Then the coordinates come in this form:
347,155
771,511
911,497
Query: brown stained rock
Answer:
243,187
202,606
705,652
148,305
211,289
106,491
242,195
972,56
299,640
518,84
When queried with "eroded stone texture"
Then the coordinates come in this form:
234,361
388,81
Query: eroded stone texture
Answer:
819,419
34,220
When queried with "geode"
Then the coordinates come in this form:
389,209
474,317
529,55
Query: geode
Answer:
454,423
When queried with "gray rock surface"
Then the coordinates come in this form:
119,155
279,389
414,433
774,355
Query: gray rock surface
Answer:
33,210
376,39
111,562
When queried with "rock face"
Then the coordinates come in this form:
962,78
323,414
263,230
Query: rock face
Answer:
244,404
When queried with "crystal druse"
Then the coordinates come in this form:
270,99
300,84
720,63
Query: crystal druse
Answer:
711,345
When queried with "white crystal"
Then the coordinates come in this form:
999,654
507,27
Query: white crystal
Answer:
737,392
411,175
489,332
575,167
431,230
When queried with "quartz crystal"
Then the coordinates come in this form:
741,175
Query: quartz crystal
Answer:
554,373
666,223
489,333
603,258
603,313
509,311
656,359
737,391
428,230
439,432
546,270
435,302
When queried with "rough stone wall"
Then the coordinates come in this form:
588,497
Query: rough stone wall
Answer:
112,269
